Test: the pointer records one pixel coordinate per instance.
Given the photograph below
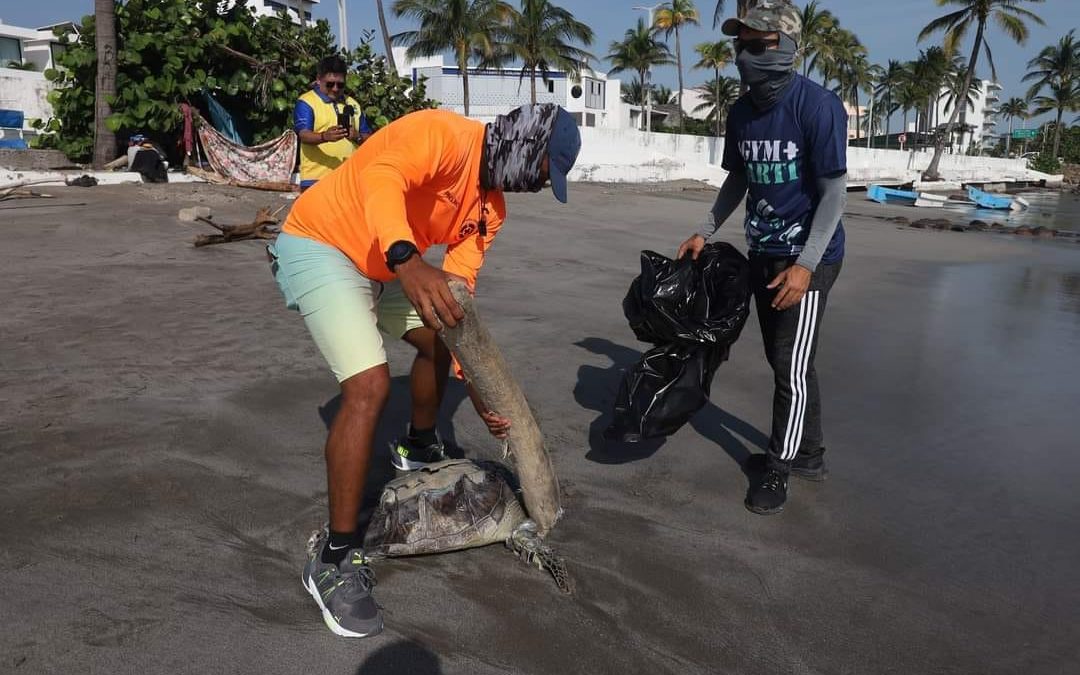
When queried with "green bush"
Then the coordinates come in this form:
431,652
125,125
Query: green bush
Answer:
170,51
1045,163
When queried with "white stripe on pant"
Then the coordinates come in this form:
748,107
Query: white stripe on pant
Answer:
804,340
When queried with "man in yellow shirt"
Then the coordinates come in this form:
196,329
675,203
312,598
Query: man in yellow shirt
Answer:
350,260
328,122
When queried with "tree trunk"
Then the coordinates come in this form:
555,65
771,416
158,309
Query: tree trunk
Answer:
532,84
858,116
1008,139
1057,134
716,94
678,59
300,12
463,65
931,172
105,44
488,371
386,36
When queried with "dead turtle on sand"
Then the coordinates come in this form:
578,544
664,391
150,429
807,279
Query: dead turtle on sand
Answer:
454,505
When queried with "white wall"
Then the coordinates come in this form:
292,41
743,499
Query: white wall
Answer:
26,91
632,156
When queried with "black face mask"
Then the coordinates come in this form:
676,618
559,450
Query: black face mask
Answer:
769,73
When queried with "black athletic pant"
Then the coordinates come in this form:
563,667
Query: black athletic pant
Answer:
790,340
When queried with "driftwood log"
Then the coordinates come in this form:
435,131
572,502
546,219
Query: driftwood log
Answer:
260,228
488,371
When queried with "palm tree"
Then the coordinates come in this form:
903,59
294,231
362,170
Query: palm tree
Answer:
662,95
638,51
817,24
927,77
1055,66
633,93
1008,15
541,36
671,18
1014,108
1064,95
105,44
385,35
956,95
909,97
846,63
716,55
741,8
470,28
717,96
890,80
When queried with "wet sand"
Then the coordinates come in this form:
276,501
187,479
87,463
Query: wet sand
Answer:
162,418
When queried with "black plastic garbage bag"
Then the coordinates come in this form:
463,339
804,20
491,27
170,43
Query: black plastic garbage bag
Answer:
692,302
663,391
693,311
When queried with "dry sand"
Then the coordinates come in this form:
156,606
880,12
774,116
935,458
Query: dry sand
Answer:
162,418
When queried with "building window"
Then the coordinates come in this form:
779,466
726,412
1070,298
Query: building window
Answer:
594,94
55,52
10,50
551,86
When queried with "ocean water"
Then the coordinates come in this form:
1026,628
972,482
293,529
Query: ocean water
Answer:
1057,210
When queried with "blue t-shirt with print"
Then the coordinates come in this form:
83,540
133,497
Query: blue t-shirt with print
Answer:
782,151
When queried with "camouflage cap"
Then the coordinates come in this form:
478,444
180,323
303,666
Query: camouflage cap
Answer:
769,16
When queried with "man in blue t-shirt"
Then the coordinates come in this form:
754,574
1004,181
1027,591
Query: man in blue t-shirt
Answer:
786,151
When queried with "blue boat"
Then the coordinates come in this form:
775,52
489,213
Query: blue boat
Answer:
986,200
881,195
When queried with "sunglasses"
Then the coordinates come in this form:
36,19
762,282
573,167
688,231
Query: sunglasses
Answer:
756,46
335,85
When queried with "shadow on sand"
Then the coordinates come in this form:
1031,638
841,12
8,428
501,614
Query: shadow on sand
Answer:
596,389
401,657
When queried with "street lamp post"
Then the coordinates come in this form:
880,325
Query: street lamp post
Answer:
343,28
647,84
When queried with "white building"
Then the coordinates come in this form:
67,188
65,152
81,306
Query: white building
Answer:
24,89
593,99
982,118
274,8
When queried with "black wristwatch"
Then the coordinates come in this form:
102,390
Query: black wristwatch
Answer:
399,252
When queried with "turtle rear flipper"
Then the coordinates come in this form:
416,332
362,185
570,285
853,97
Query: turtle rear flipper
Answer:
527,545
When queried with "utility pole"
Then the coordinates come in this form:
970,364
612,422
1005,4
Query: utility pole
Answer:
343,25
647,84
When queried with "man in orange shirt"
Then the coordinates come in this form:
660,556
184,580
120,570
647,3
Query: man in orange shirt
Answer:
349,259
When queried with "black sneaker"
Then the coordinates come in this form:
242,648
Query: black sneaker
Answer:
768,496
406,455
805,466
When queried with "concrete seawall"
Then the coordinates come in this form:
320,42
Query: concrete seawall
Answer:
632,156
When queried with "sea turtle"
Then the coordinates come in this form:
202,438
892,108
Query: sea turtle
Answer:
453,505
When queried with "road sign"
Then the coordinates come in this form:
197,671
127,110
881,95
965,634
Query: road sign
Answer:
1024,134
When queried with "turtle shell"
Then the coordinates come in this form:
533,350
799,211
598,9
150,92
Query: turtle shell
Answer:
447,506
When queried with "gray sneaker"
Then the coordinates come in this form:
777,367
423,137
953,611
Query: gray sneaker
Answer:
343,592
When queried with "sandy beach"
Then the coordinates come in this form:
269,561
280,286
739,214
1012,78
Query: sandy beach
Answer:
162,417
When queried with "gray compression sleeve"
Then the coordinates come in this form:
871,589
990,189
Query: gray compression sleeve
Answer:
731,195
833,192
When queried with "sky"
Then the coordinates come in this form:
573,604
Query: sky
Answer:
888,28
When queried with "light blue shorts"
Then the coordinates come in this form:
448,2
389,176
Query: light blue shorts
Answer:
343,310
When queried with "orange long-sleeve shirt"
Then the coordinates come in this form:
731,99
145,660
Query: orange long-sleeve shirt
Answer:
417,180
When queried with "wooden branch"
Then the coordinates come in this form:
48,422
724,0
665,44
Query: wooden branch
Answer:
488,371
260,228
